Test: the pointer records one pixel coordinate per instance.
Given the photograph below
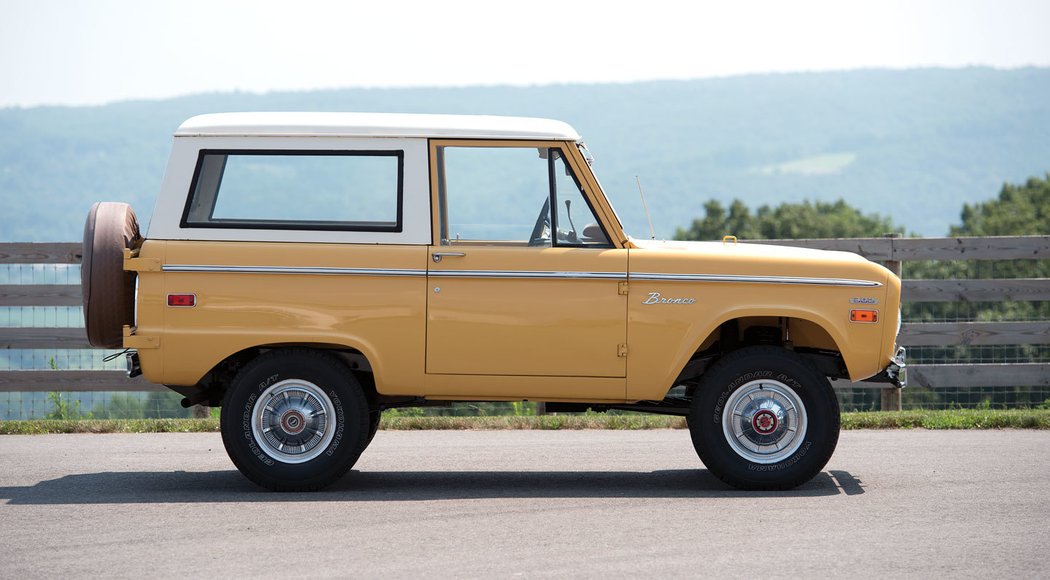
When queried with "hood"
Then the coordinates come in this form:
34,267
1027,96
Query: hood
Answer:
729,259
749,250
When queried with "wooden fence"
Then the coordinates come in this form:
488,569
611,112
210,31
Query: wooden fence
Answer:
892,251
52,338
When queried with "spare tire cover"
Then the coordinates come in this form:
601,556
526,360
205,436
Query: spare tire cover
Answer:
109,291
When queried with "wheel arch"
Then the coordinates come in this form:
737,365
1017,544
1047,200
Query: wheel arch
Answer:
808,332
222,372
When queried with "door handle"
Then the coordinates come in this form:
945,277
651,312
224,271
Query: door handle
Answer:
438,255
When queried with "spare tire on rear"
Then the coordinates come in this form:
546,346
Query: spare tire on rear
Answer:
109,291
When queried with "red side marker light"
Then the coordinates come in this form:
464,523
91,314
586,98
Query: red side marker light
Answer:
864,315
182,300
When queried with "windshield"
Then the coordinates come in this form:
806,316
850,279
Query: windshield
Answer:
590,163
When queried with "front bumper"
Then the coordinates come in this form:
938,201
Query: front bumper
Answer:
896,373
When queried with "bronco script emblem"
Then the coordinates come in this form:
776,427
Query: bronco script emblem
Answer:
655,298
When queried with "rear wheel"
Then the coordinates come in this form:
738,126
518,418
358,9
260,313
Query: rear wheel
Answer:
294,420
764,418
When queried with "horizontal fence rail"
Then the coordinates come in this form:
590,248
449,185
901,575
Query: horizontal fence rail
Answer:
884,249
40,295
41,253
974,333
915,249
87,381
975,290
30,338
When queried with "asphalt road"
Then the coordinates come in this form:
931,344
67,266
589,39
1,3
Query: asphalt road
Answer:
526,503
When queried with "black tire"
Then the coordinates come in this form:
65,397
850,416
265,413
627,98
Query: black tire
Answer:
786,392
108,291
290,444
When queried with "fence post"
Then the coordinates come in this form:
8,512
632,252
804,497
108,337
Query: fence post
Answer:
891,397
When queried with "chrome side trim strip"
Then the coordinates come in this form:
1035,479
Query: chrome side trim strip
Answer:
755,279
528,274
395,272
522,274
293,270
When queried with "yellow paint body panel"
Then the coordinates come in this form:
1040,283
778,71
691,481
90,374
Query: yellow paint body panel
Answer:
664,336
526,327
383,317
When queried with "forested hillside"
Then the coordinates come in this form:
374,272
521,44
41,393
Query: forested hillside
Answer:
911,145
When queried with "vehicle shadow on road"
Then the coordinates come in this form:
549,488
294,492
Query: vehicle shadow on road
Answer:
231,486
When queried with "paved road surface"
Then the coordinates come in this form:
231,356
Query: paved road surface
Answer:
526,503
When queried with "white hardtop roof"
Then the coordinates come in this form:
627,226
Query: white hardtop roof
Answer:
375,125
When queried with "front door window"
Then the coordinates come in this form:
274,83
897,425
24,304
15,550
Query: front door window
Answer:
527,196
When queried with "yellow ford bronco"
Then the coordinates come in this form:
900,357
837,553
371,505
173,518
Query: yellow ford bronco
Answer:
306,271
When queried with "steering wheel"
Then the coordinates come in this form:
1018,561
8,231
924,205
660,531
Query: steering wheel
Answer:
541,232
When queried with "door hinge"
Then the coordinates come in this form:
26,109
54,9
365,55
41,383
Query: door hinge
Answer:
621,350
622,289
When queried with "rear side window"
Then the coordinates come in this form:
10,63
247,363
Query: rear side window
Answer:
312,190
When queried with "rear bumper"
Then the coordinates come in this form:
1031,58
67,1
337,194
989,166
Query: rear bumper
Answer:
134,368
896,373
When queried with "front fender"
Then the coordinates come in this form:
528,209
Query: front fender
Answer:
662,344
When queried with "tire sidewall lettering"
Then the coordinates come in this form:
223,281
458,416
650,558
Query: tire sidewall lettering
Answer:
340,423
246,427
783,464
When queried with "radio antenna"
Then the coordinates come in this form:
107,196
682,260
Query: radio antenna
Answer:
652,233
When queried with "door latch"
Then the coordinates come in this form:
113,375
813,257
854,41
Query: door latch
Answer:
436,256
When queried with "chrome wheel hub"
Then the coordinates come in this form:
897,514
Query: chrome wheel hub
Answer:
764,421
293,421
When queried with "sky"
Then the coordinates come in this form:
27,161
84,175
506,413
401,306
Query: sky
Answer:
83,53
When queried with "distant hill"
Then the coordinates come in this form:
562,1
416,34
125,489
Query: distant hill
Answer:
912,144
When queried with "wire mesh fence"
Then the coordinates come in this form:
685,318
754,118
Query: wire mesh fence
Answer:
91,405
866,399
969,310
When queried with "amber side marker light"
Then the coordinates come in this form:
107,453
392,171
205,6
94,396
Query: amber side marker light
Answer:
864,315
182,300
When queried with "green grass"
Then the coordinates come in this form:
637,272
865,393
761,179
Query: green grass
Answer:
949,419
45,426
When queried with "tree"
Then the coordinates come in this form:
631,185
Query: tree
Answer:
786,221
1019,210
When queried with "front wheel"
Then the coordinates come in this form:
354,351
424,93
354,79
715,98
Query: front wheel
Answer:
764,418
294,420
